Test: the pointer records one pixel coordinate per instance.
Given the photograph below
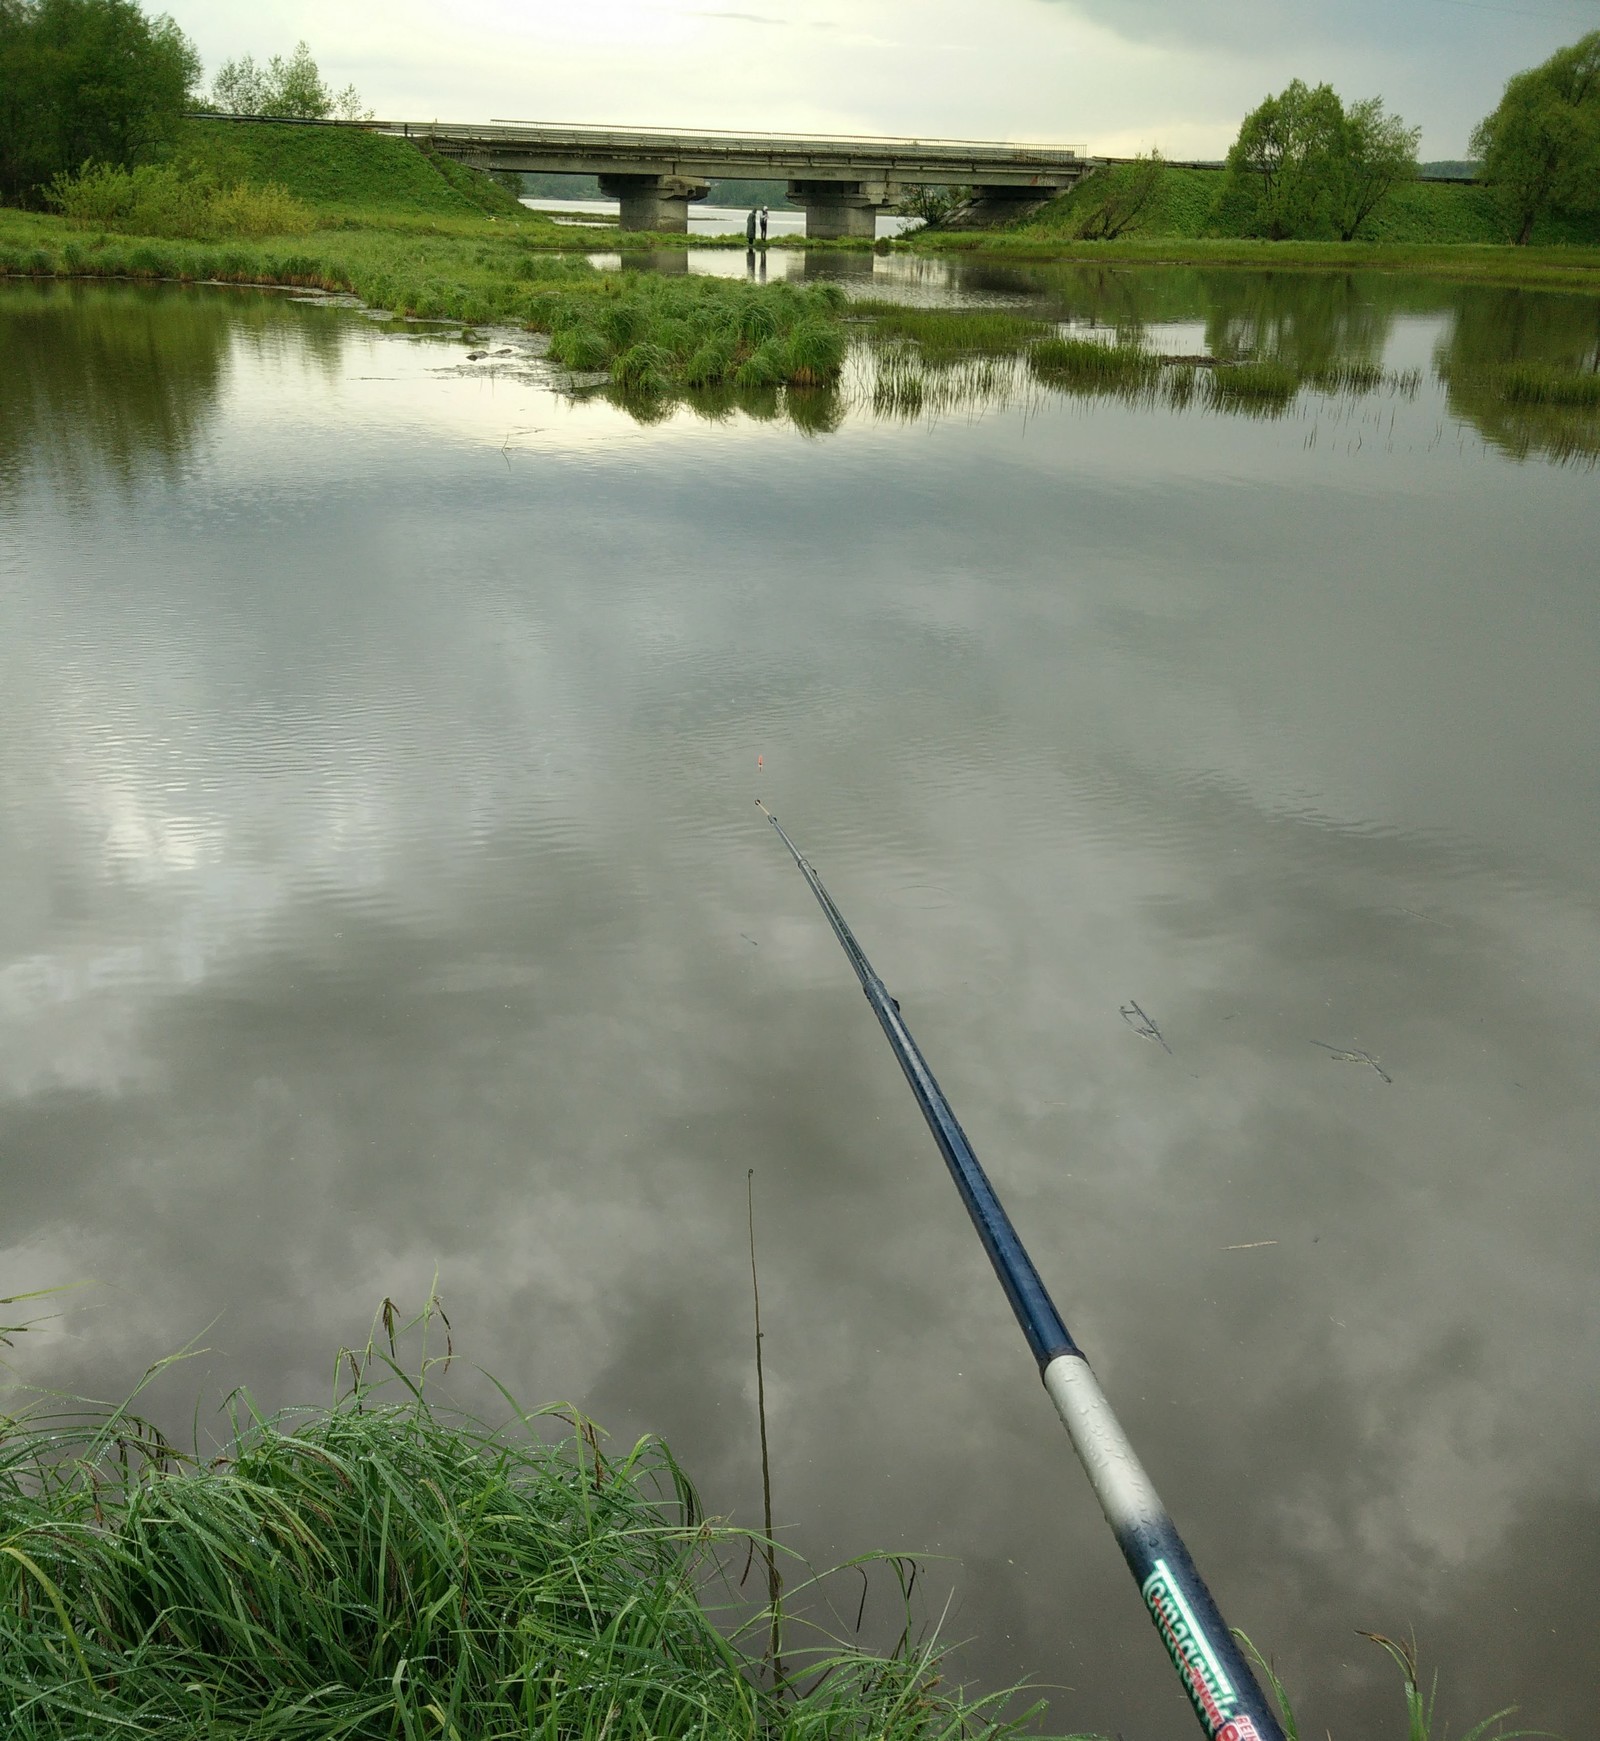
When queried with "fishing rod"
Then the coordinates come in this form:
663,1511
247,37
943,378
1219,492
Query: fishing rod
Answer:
1215,1675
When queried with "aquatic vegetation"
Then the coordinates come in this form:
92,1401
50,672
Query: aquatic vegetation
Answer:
1266,384
386,1568
947,333
666,336
1420,1722
1541,384
1085,363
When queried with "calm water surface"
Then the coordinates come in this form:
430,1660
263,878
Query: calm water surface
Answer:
381,893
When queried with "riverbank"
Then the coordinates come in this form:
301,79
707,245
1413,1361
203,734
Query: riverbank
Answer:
1549,268
655,336
410,230
387,1568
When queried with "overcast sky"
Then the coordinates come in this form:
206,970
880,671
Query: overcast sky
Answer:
1115,75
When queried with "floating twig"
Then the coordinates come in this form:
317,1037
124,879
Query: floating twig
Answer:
1341,1057
1251,1245
1144,1027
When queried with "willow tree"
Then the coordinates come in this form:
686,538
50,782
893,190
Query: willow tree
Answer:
1304,166
1540,148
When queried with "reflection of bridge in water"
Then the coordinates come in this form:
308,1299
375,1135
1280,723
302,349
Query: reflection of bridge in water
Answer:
843,183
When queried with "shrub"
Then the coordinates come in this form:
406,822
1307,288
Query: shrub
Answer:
162,200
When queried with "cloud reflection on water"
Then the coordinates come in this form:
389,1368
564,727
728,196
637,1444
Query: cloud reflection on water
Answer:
380,866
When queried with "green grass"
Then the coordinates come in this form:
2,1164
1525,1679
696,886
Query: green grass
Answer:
342,171
944,334
1267,384
1554,267
1538,384
387,1569
1419,1705
656,336
1190,204
665,337
1098,367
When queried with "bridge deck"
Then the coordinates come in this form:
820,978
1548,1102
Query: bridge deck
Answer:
799,157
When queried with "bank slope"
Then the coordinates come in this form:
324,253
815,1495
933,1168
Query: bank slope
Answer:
345,171
1191,205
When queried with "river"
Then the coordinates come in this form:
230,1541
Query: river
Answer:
382,895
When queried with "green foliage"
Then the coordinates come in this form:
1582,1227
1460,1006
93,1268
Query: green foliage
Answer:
1196,203
1087,364
1541,146
1122,198
1377,152
946,333
1267,383
291,88
1305,166
161,200
662,337
1539,384
384,1568
86,81
929,204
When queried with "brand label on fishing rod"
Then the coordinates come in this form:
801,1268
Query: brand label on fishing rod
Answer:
1209,1687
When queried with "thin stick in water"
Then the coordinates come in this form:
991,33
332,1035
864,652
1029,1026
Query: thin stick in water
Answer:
774,1578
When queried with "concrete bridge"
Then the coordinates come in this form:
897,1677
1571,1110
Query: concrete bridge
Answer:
843,183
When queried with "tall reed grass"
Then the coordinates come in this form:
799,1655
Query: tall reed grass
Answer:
945,334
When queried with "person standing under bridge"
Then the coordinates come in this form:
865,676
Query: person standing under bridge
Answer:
750,229
763,226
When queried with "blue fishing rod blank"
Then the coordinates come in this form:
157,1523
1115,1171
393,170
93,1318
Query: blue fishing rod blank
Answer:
1212,1668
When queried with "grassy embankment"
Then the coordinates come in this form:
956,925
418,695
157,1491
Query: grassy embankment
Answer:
1437,228
426,238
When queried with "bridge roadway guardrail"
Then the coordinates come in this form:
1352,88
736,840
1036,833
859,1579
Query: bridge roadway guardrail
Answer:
589,150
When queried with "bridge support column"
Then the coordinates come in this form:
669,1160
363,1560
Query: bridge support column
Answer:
842,208
658,203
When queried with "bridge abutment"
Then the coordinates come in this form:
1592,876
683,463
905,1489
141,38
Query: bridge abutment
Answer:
657,203
842,208
992,207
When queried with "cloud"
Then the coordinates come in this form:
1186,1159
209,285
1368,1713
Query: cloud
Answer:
744,18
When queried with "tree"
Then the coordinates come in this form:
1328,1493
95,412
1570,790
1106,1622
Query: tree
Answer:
86,80
1377,150
1127,191
284,89
1305,166
931,204
1284,155
1541,147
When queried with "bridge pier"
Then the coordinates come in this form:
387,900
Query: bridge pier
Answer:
843,208
657,203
